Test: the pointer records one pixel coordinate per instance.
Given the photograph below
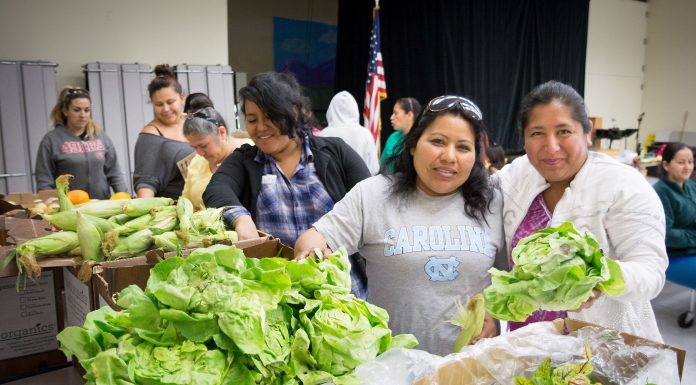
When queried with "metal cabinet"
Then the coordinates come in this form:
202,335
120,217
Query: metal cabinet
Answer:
27,95
217,81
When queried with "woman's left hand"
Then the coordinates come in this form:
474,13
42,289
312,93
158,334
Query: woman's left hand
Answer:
489,330
590,301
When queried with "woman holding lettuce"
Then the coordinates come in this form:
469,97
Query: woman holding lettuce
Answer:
561,180
429,232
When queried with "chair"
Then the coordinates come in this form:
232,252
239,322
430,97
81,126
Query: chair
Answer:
682,271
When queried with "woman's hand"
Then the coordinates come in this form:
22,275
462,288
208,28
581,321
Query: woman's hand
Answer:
145,192
308,242
489,330
590,301
245,227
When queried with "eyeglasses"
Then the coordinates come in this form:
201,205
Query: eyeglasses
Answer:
201,114
448,102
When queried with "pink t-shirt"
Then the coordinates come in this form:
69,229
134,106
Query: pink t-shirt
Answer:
538,217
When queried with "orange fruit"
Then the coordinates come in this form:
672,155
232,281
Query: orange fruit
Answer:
78,196
121,195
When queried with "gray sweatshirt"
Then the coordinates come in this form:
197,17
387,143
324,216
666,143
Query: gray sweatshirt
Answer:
92,162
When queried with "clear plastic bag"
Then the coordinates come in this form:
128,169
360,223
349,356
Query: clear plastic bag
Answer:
499,360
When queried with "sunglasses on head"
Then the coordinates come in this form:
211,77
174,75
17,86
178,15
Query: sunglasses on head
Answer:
201,114
77,91
449,102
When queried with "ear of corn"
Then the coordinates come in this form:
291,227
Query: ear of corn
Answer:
62,186
67,220
90,237
135,224
208,221
163,219
168,241
469,319
119,219
131,245
51,244
184,210
102,208
142,206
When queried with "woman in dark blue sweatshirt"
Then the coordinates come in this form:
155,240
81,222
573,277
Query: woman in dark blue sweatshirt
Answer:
78,147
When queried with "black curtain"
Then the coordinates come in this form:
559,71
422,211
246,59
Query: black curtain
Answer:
492,51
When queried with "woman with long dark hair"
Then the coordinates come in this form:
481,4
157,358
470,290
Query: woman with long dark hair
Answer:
429,232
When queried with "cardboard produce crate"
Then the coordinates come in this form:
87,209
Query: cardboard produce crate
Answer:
19,204
29,322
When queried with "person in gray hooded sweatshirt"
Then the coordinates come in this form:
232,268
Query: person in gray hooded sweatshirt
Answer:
78,147
343,118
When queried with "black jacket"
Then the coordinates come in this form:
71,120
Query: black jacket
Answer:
237,181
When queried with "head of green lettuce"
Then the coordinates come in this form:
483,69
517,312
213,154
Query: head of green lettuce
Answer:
218,317
555,269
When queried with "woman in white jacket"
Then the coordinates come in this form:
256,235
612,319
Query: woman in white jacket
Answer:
560,180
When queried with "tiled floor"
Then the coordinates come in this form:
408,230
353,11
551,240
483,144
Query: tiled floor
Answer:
673,301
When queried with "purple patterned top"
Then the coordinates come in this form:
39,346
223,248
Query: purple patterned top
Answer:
538,217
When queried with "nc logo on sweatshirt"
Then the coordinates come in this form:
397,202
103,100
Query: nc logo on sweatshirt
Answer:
442,269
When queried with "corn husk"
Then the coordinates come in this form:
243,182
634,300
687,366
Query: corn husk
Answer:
67,220
120,219
90,237
184,210
470,319
163,219
51,244
130,227
168,241
131,245
208,221
62,187
102,208
142,206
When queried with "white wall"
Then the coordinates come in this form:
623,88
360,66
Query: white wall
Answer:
670,74
74,32
614,65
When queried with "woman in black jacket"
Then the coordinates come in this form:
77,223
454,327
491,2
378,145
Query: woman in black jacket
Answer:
290,178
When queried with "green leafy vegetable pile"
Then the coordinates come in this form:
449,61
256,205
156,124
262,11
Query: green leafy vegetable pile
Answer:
555,269
218,317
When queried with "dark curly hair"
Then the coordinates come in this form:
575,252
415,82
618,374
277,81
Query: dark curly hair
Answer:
477,191
279,95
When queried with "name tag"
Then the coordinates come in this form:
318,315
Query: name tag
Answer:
268,179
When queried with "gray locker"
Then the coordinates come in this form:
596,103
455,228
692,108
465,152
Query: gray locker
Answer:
217,81
27,95
120,105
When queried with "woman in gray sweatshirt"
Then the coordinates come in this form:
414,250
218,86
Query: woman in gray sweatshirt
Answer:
77,146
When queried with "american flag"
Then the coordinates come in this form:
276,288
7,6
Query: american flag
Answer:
376,87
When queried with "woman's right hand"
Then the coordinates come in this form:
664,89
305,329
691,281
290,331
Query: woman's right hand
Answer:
245,227
309,241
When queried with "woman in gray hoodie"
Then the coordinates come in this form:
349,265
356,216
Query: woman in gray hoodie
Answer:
77,146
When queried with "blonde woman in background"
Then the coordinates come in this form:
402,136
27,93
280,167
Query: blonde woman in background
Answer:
77,146
207,133
161,143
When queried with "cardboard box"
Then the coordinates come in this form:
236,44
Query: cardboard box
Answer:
18,204
572,325
29,322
